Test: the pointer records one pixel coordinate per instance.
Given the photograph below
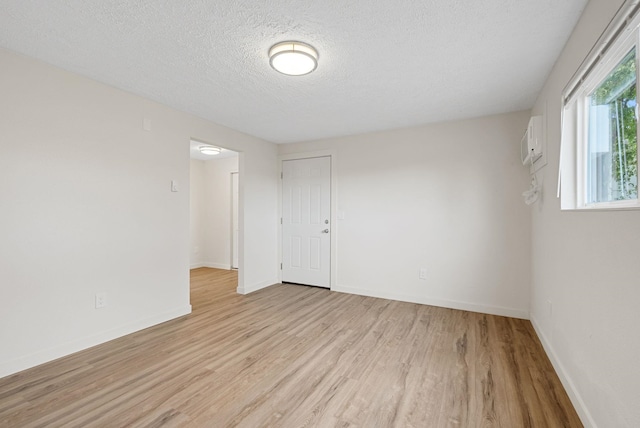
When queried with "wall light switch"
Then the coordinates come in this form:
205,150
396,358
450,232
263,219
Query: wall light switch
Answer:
101,300
146,124
423,273
174,186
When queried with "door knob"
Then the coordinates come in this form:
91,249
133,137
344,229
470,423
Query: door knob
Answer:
325,231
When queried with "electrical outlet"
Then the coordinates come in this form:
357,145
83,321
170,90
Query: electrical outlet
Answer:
101,300
423,273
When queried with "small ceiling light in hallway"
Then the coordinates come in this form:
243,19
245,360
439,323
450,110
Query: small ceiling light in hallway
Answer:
209,150
293,58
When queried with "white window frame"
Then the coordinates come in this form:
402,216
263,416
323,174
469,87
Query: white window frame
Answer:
602,71
572,177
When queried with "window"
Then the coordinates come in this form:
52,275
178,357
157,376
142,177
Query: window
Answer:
599,150
611,157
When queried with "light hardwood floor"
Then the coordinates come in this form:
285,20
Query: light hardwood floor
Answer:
294,356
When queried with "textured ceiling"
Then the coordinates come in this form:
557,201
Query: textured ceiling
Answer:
383,64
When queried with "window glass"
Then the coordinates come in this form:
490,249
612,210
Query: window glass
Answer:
612,149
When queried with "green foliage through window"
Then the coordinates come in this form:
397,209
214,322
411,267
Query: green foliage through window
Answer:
612,162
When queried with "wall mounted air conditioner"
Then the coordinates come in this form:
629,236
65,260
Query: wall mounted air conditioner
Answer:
531,143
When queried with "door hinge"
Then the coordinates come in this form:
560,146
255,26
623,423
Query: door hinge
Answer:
280,220
280,266
281,175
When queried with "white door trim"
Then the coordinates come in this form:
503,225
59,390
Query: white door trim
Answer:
334,229
235,215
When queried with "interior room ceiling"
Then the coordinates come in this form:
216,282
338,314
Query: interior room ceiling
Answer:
383,64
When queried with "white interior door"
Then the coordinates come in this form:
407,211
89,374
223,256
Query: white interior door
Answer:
306,215
234,220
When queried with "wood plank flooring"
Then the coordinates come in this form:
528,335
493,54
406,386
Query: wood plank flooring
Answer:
295,356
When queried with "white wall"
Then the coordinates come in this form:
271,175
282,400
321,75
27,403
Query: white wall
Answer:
211,212
258,210
87,208
585,265
446,197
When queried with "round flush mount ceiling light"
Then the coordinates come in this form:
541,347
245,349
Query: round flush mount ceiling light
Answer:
293,58
209,150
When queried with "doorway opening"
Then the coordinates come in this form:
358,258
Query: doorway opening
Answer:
214,207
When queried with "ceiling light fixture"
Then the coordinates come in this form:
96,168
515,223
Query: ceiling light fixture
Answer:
209,150
293,58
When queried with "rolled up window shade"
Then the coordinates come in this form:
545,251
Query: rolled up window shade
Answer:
623,18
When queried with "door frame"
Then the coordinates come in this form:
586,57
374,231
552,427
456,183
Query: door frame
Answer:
235,200
331,154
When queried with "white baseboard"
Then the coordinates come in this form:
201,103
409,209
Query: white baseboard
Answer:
569,386
255,287
14,366
217,265
211,265
451,304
